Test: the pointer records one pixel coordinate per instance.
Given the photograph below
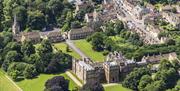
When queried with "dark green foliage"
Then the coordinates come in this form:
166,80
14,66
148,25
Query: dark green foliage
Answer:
57,82
32,14
27,48
45,47
12,56
97,41
92,86
132,80
75,24
156,86
15,70
161,1
144,81
30,72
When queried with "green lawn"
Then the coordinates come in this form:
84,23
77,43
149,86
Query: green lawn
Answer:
86,48
6,84
62,47
116,88
37,84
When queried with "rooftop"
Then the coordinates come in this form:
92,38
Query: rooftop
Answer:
85,65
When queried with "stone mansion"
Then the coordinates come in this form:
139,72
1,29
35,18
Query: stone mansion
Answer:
114,68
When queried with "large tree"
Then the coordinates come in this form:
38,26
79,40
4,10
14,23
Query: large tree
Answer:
92,86
132,80
45,47
27,48
57,82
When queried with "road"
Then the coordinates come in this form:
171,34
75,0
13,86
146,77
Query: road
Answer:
74,79
71,45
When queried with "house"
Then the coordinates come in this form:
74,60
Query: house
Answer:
172,18
34,37
114,67
132,7
155,59
80,33
82,4
84,71
92,17
52,36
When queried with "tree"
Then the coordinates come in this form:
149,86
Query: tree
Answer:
169,76
15,70
53,67
45,47
21,16
156,86
92,86
165,64
67,48
54,88
30,72
132,80
32,59
75,24
97,41
12,56
36,20
55,6
145,80
109,43
27,48
59,82
1,15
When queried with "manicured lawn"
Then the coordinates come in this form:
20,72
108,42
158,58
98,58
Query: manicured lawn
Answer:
6,84
86,48
62,47
37,84
116,88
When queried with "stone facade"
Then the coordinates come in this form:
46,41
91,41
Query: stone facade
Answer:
80,33
115,67
132,7
53,36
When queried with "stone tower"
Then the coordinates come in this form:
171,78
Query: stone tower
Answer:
111,71
15,27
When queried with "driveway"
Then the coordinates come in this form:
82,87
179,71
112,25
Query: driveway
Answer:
72,45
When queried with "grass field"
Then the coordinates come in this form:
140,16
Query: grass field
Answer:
6,84
37,84
86,48
62,47
116,88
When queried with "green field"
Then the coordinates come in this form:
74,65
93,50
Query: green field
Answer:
37,84
62,47
86,48
116,88
6,84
